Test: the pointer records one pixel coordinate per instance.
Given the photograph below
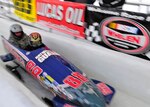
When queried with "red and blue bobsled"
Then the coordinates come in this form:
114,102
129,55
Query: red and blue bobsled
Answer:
70,86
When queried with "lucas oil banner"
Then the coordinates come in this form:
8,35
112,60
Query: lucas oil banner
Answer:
66,17
123,31
25,9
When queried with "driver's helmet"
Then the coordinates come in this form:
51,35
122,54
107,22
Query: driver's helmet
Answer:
35,39
16,31
111,3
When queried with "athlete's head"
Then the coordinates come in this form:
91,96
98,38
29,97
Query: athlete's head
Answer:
35,39
16,31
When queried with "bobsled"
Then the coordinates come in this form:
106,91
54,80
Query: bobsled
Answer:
69,85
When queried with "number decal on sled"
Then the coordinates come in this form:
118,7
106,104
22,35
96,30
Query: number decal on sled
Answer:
33,69
75,80
104,89
79,76
30,65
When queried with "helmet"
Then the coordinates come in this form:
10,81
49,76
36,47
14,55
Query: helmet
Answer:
35,39
111,3
16,31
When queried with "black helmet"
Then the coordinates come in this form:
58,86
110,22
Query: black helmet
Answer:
111,3
16,31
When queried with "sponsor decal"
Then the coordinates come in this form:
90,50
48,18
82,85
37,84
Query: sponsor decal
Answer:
37,72
48,77
32,68
50,10
122,27
125,35
104,89
72,15
75,80
48,82
132,16
100,10
62,16
45,55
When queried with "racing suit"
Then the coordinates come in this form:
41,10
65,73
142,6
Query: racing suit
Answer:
22,43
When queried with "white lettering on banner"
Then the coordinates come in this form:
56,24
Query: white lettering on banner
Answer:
50,11
74,16
95,9
135,39
124,14
62,27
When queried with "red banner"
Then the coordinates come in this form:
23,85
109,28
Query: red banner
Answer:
66,17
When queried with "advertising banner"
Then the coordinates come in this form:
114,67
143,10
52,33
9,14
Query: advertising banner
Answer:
65,17
123,31
25,9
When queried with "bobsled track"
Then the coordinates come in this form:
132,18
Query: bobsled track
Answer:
128,74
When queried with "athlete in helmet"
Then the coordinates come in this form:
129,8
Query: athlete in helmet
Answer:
111,3
17,36
35,40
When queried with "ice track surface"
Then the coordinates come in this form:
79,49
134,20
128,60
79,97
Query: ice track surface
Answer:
128,74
